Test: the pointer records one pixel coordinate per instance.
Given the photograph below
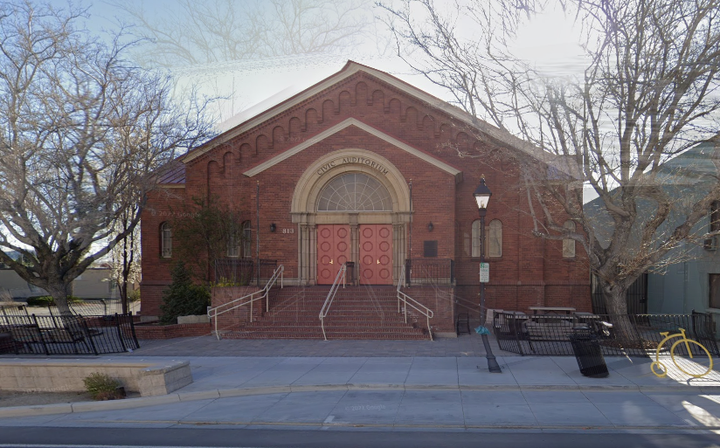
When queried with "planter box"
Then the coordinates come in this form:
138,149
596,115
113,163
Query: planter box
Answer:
146,378
194,319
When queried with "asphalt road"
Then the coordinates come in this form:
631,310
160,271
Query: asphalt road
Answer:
54,437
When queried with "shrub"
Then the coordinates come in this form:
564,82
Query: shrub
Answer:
134,296
101,387
183,298
48,301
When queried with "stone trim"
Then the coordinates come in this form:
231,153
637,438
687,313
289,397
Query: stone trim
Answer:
365,127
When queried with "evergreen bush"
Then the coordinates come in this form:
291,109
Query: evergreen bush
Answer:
183,298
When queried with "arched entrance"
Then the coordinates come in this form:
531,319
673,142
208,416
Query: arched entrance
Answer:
351,205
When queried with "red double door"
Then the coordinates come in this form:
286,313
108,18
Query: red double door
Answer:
375,249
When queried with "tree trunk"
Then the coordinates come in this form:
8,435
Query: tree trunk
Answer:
615,297
59,293
122,287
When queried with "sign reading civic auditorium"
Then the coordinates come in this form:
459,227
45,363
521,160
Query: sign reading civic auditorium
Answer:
352,161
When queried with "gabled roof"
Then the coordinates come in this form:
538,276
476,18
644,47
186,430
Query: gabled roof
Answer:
697,164
173,174
351,68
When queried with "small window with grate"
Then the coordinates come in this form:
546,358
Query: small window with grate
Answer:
430,248
714,290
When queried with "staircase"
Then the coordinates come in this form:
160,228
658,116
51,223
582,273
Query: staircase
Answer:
358,312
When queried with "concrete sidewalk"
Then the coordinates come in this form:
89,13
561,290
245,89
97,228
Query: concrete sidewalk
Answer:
342,389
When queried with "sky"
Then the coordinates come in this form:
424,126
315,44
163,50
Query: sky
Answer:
549,41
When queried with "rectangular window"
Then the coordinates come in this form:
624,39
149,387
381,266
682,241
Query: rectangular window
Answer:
247,240
233,248
430,249
568,245
714,290
166,241
476,239
715,216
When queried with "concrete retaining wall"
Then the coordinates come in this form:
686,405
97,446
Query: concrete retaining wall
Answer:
147,379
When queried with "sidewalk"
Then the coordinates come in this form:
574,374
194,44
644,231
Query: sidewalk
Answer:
394,385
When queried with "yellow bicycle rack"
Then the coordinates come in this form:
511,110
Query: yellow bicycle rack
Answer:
696,368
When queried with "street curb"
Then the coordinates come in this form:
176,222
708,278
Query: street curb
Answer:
129,403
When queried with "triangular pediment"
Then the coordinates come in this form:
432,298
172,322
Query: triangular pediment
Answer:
347,123
493,133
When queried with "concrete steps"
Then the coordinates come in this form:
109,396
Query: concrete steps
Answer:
356,313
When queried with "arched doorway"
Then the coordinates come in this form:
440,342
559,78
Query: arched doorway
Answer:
351,205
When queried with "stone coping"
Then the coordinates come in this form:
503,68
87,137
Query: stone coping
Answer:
12,304
145,378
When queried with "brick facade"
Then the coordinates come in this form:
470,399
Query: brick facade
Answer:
424,142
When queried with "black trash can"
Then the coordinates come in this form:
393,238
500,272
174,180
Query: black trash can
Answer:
589,356
350,272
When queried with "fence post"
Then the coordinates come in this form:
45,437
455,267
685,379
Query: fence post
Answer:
132,329
119,332
42,338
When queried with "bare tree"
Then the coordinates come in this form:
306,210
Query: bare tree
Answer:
227,30
126,257
210,226
647,91
83,132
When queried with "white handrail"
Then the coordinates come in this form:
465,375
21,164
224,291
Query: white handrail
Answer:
331,296
417,306
251,298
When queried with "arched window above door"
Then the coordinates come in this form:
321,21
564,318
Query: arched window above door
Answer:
354,192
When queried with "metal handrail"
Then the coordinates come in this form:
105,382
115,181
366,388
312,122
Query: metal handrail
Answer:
331,296
417,306
251,298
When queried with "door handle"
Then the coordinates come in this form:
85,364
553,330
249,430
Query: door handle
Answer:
378,262
331,262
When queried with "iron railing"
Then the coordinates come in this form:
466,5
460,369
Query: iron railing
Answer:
67,335
405,300
234,271
339,279
434,271
85,307
627,335
249,299
242,271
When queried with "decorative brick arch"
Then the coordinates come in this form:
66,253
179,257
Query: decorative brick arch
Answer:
316,177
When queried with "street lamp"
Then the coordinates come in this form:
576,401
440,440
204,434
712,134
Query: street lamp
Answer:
482,197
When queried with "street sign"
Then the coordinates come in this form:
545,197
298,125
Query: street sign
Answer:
484,272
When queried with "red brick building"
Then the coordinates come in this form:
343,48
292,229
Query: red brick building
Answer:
363,167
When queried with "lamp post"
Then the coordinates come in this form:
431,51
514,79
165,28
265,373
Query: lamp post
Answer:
482,197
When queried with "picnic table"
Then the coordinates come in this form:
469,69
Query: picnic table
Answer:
551,310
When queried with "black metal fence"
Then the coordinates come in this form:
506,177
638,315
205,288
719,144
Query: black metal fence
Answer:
433,271
86,307
234,271
67,335
628,335
242,271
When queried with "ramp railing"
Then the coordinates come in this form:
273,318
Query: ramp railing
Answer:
339,278
406,301
248,299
